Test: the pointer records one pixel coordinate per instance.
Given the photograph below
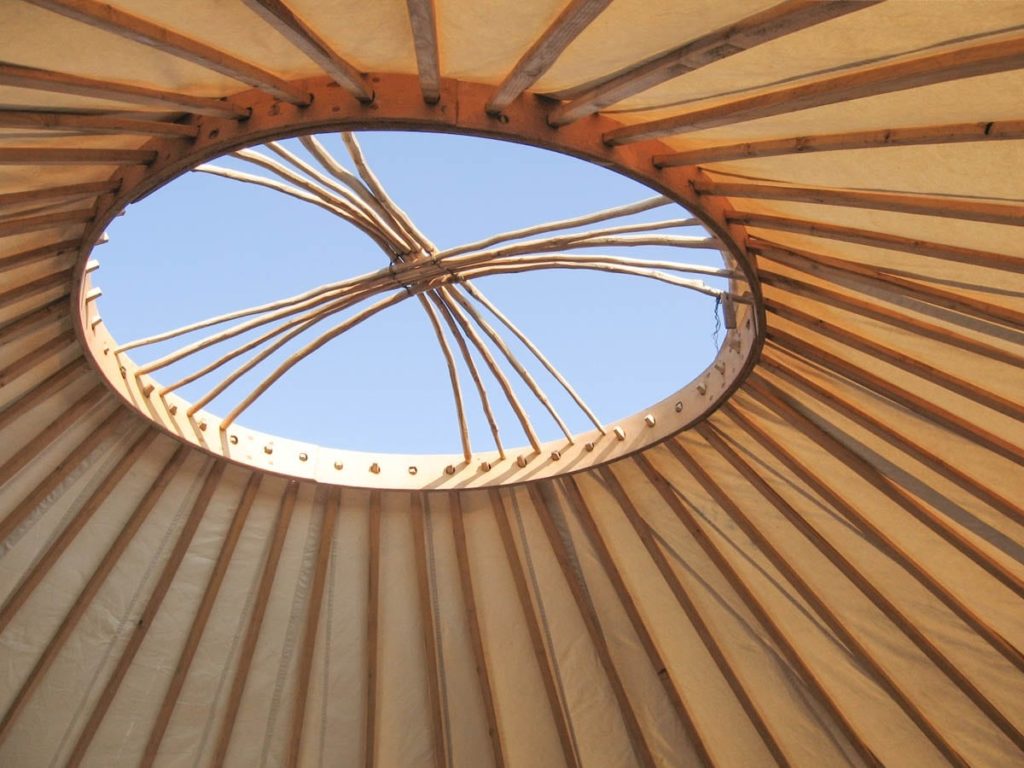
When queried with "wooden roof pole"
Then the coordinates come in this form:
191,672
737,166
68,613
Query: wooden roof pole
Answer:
453,377
847,636
894,491
773,362
91,588
454,294
762,27
473,621
59,82
503,382
279,16
554,226
700,625
850,571
26,586
145,621
308,350
118,22
64,122
369,211
423,20
812,680
254,625
883,240
74,156
230,173
474,373
570,487
883,542
588,612
55,382
999,53
199,621
316,595
886,137
892,317
906,362
477,294
574,18
424,582
968,209
372,629
330,297
868,279
915,403
559,711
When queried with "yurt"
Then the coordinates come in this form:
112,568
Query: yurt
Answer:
811,553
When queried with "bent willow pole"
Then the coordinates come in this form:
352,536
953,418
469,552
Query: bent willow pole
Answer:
440,280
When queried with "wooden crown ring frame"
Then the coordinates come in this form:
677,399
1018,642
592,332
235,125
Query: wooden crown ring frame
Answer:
440,281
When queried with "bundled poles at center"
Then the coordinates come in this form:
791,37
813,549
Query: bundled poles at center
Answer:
439,280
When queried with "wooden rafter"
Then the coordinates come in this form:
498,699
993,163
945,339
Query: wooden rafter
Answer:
879,311
46,284
300,34
867,588
778,21
588,611
868,278
881,240
40,253
473,622
74,156
574,18
55,382
913,401
428,623
847,635
780,363
700,625
783,642
620,211
145,620
59,82
906,362
252,632
587,522
118,22
86,405
559,711
925,205
199,621
886,137
33,357
951,63
78,609
88,123
73,459
474,373
316,595
423,19
69,532
953,534
874,534
372,630
25,224
453,377
62,192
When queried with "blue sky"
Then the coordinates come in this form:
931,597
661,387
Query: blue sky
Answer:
205,245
